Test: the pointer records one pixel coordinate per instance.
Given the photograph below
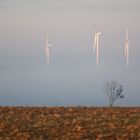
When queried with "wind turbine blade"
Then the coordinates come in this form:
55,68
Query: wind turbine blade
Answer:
47,55
97,51
125,50
126,34
95,41
127,56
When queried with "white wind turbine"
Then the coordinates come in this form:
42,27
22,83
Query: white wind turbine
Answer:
126,50
96,45
47,50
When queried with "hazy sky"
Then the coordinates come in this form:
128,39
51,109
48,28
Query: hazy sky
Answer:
72,78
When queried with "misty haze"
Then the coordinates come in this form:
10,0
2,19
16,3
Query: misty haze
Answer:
71,76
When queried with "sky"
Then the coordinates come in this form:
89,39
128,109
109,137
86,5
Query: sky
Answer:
72,78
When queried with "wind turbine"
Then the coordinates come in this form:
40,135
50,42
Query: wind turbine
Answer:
126,49
48,50
96,45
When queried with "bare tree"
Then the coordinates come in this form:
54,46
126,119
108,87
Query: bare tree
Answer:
114,91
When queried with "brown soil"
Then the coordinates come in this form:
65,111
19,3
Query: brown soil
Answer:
69,123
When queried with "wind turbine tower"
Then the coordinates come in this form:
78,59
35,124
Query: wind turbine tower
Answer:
96,45
47,52
126,50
